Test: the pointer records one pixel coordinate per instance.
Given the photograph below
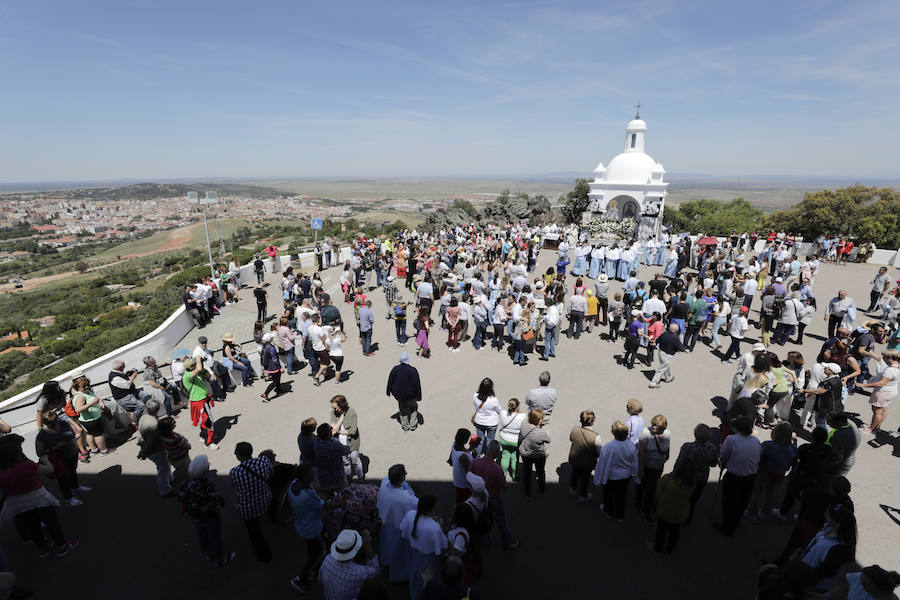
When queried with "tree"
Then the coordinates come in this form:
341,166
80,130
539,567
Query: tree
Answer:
576,201
867,213
713,217
465,206
81,266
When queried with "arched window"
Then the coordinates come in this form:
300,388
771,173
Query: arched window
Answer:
633,139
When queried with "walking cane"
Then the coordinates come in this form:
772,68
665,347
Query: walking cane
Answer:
712,506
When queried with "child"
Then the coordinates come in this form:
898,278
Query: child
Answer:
55,440
561,265
177,449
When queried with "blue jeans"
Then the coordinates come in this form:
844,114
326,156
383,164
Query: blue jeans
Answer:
243,365
289,360
716,325
400,326
480,329
485,435
311,357
209,535
366,341
550,340
519,351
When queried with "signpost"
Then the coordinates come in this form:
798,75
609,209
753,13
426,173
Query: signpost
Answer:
316,226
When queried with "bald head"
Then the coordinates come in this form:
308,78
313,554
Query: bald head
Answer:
673,328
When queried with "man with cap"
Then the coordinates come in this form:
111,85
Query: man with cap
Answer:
737,328
404,385
395,499
202,501
351,561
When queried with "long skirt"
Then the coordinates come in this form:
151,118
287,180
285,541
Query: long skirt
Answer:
394,554
623,270
660,257
422,567
422,339
595,268
580,267
671,268
611,268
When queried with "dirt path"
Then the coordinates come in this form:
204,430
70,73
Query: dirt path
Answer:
177,239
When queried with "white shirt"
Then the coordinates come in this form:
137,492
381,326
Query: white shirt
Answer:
487,414
738,326
654,305
509,426
199,352
750,287
315,333
551,317
430,538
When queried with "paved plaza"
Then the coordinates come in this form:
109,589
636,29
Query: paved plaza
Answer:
136,545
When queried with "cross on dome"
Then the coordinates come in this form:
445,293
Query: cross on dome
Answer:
637,107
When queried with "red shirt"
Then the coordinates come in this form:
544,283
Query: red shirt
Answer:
490,471
20,479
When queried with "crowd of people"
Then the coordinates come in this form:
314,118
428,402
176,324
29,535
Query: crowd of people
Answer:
488,292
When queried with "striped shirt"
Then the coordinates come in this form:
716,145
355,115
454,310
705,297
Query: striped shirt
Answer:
176,447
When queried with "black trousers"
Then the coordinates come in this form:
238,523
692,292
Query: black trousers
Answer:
258,540
736,493
664,530
614,492
695,496
874,297
834,322
646,491
274,383
537,463
28,523
261,312
580,480
315,553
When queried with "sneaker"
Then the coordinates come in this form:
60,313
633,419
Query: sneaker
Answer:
571,492
228,558
777,514
652,549
84,457
512,544
46,551
653,386
212,446
752,517
586,498
67,548
83,488
73,502
727,362
107,451
299,585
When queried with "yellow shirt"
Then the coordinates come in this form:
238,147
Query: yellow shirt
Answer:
593,304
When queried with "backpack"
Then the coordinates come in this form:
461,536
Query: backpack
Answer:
399,311
637,301
69,409
264,359
778,307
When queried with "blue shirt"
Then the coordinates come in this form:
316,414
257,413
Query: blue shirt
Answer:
307,509
366,319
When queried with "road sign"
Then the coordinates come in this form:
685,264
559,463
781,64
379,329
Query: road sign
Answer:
317,224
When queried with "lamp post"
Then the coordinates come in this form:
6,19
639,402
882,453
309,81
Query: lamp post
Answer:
211,198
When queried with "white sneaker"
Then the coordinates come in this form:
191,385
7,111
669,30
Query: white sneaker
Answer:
73,502
213,447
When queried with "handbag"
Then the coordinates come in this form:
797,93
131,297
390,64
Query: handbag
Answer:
528,335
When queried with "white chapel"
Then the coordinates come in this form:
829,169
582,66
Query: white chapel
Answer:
631,185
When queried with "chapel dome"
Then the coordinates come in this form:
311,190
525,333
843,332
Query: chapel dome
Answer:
636,125
632,167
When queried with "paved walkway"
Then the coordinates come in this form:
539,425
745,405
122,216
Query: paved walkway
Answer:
134,543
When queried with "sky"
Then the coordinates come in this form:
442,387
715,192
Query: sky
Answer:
156,89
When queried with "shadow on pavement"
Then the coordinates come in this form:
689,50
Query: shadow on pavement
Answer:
139,544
